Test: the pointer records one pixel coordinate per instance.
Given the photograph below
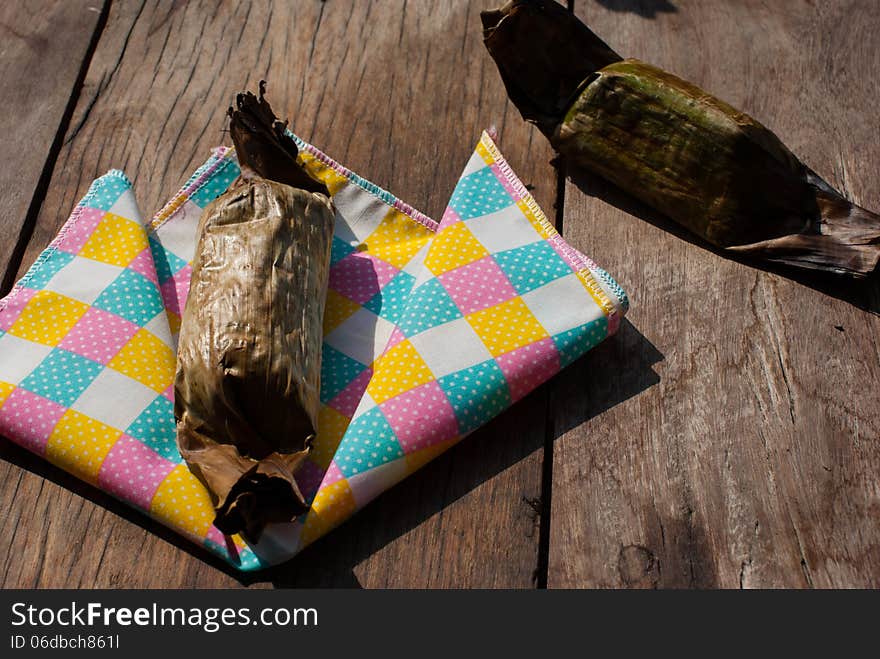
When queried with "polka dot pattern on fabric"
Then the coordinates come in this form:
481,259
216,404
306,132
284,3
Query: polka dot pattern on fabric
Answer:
80,443
368,443
47,317
79,232
116,240
529,367
29,419
576,342
531,266
339,249
155,428
360,276
331,427
62,376
98,335
215,185
181,501
131,296
107,191
146,359
477,285
506,326
391,302
421,417
337,371
453,246
48,269
176,289
477,394
14,306
166,262
143,265
400,369
332,505
132,472
349,398
397,239
429,306
478,194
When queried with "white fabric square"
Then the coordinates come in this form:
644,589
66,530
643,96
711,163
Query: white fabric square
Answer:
450,347
358,213
503,230
579,308
83,279
179,236
20,357
126,206
159,328
367,485
362,336
114,399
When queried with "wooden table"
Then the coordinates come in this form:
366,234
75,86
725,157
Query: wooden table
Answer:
727,436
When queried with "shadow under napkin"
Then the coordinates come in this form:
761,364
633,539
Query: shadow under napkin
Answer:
644,8
864,294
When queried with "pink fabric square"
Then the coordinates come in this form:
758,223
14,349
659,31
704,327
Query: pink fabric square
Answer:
175,290
10,313
308,478
132,472
359,276
449,217
421,417
333,475
30,419
78,234
346,401
527,367
98,335
477,285
143,264
502,179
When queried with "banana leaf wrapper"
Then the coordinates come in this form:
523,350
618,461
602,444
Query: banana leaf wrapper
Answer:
249,355
707,166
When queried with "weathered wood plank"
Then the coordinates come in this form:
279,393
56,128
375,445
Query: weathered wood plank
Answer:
753,461
43,46
397,91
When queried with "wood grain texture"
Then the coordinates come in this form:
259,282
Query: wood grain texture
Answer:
730,439
398,92
42,49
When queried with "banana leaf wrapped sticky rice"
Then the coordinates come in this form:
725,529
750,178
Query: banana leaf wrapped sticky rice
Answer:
709,167
248,369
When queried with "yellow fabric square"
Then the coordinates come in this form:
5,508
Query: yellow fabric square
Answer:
182,501
507,326
337,310
453,246
331,427
146,359
398,238
116,240
5,390
47,318
333,504
398,370
323,172
173,321
80,443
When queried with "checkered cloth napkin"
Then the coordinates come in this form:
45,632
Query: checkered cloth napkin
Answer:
430,331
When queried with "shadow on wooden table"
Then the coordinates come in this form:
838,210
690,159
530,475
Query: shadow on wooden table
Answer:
863,294
608,375
644,8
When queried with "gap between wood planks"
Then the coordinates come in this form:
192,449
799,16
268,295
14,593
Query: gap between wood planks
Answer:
39,194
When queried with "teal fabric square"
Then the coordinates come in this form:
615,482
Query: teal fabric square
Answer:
216,185
391,301
62,376
479,194
368,443
531,266
107,192
339,249
428,306
132,296
167,263
155,428
48,269
337,371
576,342
477,394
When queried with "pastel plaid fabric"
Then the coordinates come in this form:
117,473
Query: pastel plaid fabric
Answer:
430,331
